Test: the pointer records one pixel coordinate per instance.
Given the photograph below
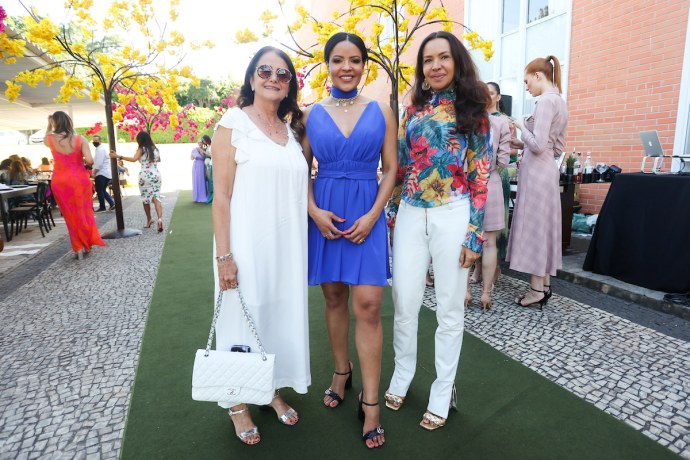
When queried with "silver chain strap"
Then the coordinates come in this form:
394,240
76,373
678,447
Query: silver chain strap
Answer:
247,317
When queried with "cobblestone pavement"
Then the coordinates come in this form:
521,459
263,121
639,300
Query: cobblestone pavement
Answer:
70,335
635,373
69,341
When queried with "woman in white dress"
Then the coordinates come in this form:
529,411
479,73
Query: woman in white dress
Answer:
260,226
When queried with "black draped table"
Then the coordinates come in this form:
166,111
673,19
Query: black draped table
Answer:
642,235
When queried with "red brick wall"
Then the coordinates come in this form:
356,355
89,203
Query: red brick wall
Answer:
626,59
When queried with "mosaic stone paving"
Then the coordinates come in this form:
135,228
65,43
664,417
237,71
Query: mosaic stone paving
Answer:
69,342
632,372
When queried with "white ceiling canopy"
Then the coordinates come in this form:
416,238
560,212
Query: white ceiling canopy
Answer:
30,111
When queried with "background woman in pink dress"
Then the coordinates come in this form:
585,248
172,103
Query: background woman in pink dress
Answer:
71,184
494,209
534,245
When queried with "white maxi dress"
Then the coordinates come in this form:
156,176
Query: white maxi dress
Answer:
268,239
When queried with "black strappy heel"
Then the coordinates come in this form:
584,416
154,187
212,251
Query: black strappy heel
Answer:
541,302
335,396
547,292
369,435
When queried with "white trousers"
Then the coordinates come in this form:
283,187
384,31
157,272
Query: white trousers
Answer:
420,235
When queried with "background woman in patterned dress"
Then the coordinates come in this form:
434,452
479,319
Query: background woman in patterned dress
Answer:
149,176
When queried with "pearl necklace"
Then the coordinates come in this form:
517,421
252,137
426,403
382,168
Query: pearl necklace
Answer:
345,103
344,99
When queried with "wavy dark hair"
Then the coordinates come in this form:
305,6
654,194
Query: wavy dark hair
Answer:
288,107
471,95
146,145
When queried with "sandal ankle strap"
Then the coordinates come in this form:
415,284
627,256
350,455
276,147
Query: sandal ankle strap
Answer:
535,290
344,373
368,404
237,412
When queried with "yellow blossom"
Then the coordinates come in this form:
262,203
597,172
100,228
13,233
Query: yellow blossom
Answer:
11,47
12,91
72,86
41,32
94,93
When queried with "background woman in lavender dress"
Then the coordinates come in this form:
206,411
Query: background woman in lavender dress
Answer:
534,246
348,249
199,184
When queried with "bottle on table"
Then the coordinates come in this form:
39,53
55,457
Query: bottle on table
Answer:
587,174
578,169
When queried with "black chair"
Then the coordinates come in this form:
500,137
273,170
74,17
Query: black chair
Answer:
34,209
48,207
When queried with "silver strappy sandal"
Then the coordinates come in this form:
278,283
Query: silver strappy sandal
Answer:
254,431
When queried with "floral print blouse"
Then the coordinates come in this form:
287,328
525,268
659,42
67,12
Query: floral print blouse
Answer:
432,159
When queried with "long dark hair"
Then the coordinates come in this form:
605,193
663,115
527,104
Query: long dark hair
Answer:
288,106
146,145
471,96
62,124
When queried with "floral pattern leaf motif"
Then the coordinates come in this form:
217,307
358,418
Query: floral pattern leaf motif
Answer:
437,133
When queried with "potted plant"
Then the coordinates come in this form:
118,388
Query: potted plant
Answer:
570,165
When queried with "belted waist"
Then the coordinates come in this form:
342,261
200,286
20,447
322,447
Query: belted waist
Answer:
351,174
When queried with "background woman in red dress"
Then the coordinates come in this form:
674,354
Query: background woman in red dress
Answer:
71,184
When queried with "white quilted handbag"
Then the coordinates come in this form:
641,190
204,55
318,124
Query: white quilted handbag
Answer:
233,377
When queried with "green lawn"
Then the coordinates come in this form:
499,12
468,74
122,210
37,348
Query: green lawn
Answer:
506,411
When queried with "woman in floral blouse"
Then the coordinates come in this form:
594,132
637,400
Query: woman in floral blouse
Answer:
438,212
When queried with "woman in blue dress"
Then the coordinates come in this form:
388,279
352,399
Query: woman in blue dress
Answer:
349,135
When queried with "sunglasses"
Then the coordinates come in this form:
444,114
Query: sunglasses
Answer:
265,71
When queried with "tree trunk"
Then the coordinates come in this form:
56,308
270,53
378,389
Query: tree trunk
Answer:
394,103
119,216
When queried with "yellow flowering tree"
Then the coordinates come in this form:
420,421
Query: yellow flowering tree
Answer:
127,48
391,25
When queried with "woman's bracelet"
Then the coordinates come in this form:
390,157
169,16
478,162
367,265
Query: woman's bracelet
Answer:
224,258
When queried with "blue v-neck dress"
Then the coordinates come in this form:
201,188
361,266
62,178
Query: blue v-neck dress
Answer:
347,185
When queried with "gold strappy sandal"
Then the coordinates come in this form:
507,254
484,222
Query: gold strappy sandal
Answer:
431,421
393,402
